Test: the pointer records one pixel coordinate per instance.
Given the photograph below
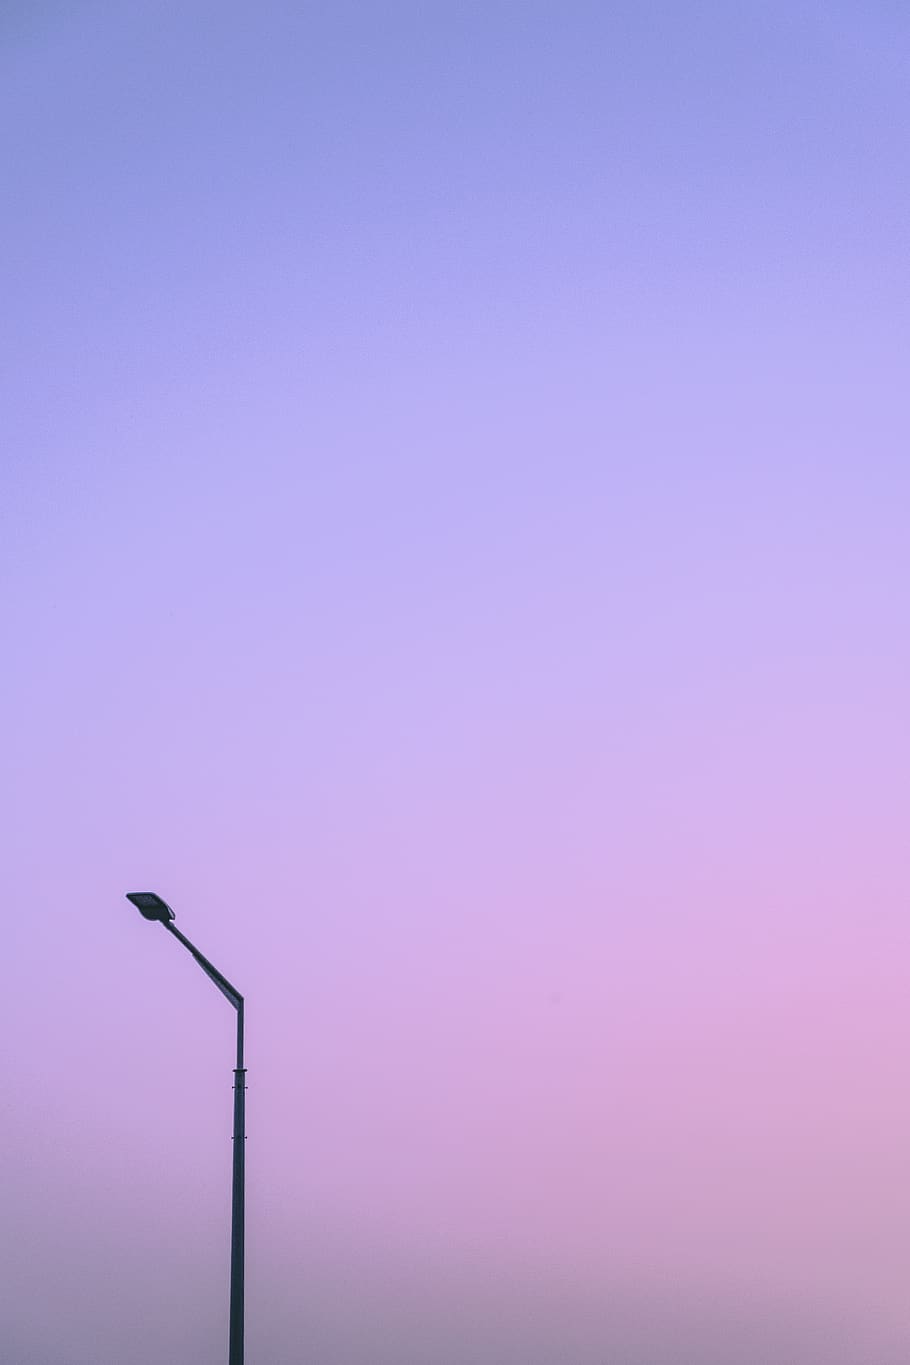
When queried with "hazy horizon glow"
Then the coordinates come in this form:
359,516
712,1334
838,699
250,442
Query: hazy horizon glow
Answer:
454,549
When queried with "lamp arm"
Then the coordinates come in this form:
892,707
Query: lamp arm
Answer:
230,992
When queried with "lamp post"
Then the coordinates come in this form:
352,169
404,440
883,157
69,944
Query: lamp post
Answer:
152,907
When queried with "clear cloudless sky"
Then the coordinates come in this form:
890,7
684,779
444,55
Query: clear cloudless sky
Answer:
454,547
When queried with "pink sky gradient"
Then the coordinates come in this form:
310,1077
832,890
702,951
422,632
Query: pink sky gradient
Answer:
454,548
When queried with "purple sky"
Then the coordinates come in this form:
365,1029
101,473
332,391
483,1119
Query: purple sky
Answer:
454,547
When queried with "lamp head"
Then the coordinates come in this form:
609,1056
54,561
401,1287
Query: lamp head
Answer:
151,906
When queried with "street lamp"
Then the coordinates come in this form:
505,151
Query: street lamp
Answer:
154,908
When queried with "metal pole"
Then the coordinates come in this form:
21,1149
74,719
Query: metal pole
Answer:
152,907
238,1192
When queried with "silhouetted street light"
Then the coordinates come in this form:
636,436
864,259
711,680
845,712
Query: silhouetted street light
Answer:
154,908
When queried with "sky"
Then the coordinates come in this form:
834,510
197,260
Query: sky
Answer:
453,534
